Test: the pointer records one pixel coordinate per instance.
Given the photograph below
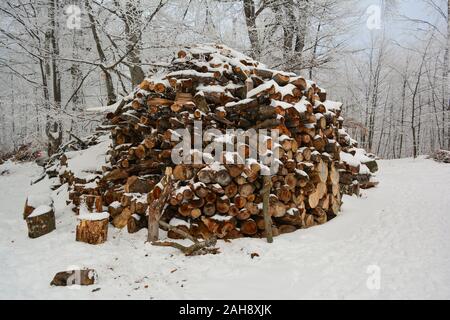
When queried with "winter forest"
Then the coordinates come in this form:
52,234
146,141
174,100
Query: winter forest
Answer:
387,60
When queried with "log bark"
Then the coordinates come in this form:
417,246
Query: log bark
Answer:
85,277
92,231
41,222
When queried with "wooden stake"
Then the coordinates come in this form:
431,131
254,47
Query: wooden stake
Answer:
155,209
267,220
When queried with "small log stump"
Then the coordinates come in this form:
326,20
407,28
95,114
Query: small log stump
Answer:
41,221
93,228
85,277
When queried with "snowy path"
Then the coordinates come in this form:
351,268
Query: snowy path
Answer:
402,228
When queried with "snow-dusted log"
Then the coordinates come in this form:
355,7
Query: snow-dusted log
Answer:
41,221
84,277
92,228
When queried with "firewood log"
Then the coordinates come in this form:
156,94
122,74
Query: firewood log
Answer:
240,201
84,277
249,227
121,220
137,185
223,205
277,210
136,223
92,228
41,221
114,209
283,229
222,177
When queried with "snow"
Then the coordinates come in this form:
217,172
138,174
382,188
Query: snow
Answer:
86,162
332,105
284,138
238,103
399,228
261,88
349,159
94,216
37,200
219,217
214,88
275,72
190,73
39,211
286,90
178,222
115,205
282,104
283,90
360,154
105,109
301,106
363,169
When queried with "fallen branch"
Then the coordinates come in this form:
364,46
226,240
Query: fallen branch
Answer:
195,249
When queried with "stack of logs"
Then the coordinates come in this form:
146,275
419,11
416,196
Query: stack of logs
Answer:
224,90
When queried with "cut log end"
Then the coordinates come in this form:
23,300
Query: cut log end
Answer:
92,231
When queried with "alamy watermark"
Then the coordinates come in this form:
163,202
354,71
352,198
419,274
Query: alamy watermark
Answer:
74,280
73,13
374,19
374,280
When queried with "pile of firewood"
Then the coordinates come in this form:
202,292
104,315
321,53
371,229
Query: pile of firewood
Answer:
441,156
226,196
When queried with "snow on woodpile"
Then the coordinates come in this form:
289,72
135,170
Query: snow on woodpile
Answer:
222,122
441,156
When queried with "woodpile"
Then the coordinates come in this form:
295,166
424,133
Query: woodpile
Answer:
441,156
357,171
224,197
24,152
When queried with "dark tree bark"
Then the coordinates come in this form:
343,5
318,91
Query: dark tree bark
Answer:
250,20
133,21
111,95
54,127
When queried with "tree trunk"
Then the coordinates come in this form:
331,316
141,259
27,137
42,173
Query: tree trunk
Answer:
111,95
54,128
447,77
133,21
250,20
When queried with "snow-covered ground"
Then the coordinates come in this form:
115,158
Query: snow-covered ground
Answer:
396,236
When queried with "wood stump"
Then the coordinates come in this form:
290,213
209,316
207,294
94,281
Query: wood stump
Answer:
93,228
85,277
41,221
